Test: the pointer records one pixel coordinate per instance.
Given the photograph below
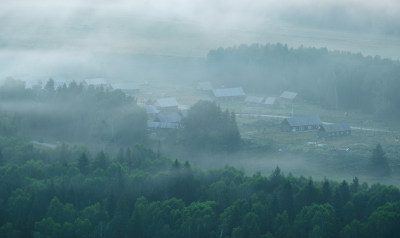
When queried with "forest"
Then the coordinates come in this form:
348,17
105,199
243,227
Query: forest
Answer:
71,192
72,112
79,190
332,79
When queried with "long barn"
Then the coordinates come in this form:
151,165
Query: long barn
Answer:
330,130
229,93
294,124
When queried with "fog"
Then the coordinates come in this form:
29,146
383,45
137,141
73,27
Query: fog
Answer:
168,41
77,38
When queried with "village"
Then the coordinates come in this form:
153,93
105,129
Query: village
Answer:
283,122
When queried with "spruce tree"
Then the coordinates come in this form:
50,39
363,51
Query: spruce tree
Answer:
379,161
83,163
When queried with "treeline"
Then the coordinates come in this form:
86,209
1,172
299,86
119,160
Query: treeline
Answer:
73,112
332,78
68,192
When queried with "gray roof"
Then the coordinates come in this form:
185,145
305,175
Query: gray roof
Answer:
163,125
228,92
336,127
167,102
270,100
206,86
288,95
150,109
253,99
169,117
304,121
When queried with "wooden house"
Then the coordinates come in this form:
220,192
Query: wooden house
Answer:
167,104
253,99
295,124
271,102
229,93
169,117
340,129
166,121
288,96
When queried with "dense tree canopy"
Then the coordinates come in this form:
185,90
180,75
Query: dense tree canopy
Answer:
67,192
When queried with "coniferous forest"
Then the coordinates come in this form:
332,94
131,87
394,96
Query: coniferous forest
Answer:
69,192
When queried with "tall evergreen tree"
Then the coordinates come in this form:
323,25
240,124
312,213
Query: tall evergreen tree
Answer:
83,163
49,85
326,195
379,161
101,161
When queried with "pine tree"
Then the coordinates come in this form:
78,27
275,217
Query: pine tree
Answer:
83,163
326,192
355,185
49,85
379,161
101,161
176,165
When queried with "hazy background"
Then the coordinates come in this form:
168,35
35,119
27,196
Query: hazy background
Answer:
87,38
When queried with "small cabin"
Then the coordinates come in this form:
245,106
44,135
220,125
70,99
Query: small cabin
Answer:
229,93
288,96
295,124
168,117
167,104
253,99
331,130
271,102
166,121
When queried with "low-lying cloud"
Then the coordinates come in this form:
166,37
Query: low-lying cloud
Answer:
47,34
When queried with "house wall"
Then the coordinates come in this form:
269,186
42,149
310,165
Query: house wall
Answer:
332,134
306,128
